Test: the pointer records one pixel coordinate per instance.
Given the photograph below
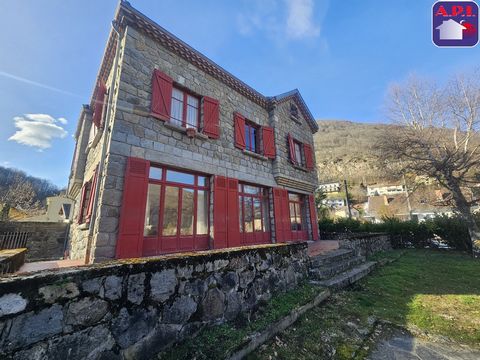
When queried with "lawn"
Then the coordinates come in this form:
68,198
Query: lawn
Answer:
427,291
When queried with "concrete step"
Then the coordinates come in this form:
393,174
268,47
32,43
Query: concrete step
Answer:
348,277
327,271
331,257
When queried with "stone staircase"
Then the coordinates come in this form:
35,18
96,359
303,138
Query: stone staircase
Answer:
339,268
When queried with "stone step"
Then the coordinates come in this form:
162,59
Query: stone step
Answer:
332,257
348,277
327,271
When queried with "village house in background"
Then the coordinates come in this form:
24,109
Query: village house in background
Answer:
59,209
175,154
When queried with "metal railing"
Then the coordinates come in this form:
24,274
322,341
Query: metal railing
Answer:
14,240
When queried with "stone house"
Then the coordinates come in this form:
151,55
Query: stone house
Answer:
176,154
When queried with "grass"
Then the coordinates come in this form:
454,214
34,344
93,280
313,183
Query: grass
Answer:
218,341
434,292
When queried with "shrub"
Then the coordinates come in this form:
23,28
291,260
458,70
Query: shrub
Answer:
452,230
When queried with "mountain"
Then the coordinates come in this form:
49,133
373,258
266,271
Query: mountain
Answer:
346,150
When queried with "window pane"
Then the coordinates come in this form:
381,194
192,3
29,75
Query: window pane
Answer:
152,210
248,215
248,189
240,212
293,221
294,197
170,211
298,212
179,177
177,107
298,153
202,181
155,173
252,139
186,225
192,111
202,213
257,214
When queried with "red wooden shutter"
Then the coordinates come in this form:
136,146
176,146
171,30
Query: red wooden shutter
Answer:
162,86
220,199
291,146
92,195
268,142
82,203
313,217
308,156
211,115
277,211
132,216
282,215
287,227
239,130
233,226
98,107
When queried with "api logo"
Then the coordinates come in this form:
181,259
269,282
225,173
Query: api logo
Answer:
455,23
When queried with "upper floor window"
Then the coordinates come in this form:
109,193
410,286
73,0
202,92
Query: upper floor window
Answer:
251,137
184,109
294,111
299,155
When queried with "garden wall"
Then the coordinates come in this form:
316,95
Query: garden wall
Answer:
46,240
132,309
364,244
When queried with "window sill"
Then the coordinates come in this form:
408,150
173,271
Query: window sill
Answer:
183,130
298,167
255,155
84,226
296,119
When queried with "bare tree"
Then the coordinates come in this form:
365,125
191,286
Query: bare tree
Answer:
439,136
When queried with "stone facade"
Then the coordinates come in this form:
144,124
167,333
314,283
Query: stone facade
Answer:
136,134
132,310
364,244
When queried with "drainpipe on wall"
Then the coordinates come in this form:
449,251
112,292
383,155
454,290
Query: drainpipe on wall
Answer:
107,135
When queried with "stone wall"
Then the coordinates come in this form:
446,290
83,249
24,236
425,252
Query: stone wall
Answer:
46,240
365,244
134,309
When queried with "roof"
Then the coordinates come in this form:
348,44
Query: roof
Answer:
126,15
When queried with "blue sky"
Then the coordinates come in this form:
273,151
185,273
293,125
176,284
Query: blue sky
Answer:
342,55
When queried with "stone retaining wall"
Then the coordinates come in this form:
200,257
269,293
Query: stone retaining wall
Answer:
46,240
365,244
133,309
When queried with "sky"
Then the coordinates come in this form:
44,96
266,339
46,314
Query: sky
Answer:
341,55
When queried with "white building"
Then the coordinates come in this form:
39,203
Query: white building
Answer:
330,187
376,190
59,209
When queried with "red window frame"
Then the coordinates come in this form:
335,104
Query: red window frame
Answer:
255,236
301,161
185,94
161,244
298,233
252,128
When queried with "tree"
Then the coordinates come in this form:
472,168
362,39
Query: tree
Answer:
323,210
438,136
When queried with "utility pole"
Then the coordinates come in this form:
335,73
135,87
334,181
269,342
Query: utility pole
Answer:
346,198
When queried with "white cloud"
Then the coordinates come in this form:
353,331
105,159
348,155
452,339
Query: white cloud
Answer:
295,20
38,130
300,23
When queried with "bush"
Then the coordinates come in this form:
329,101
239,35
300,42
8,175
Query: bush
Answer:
452,230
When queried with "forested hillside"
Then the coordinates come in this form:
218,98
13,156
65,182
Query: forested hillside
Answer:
346,150
23,192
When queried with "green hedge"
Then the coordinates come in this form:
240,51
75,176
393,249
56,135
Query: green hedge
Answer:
452,230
